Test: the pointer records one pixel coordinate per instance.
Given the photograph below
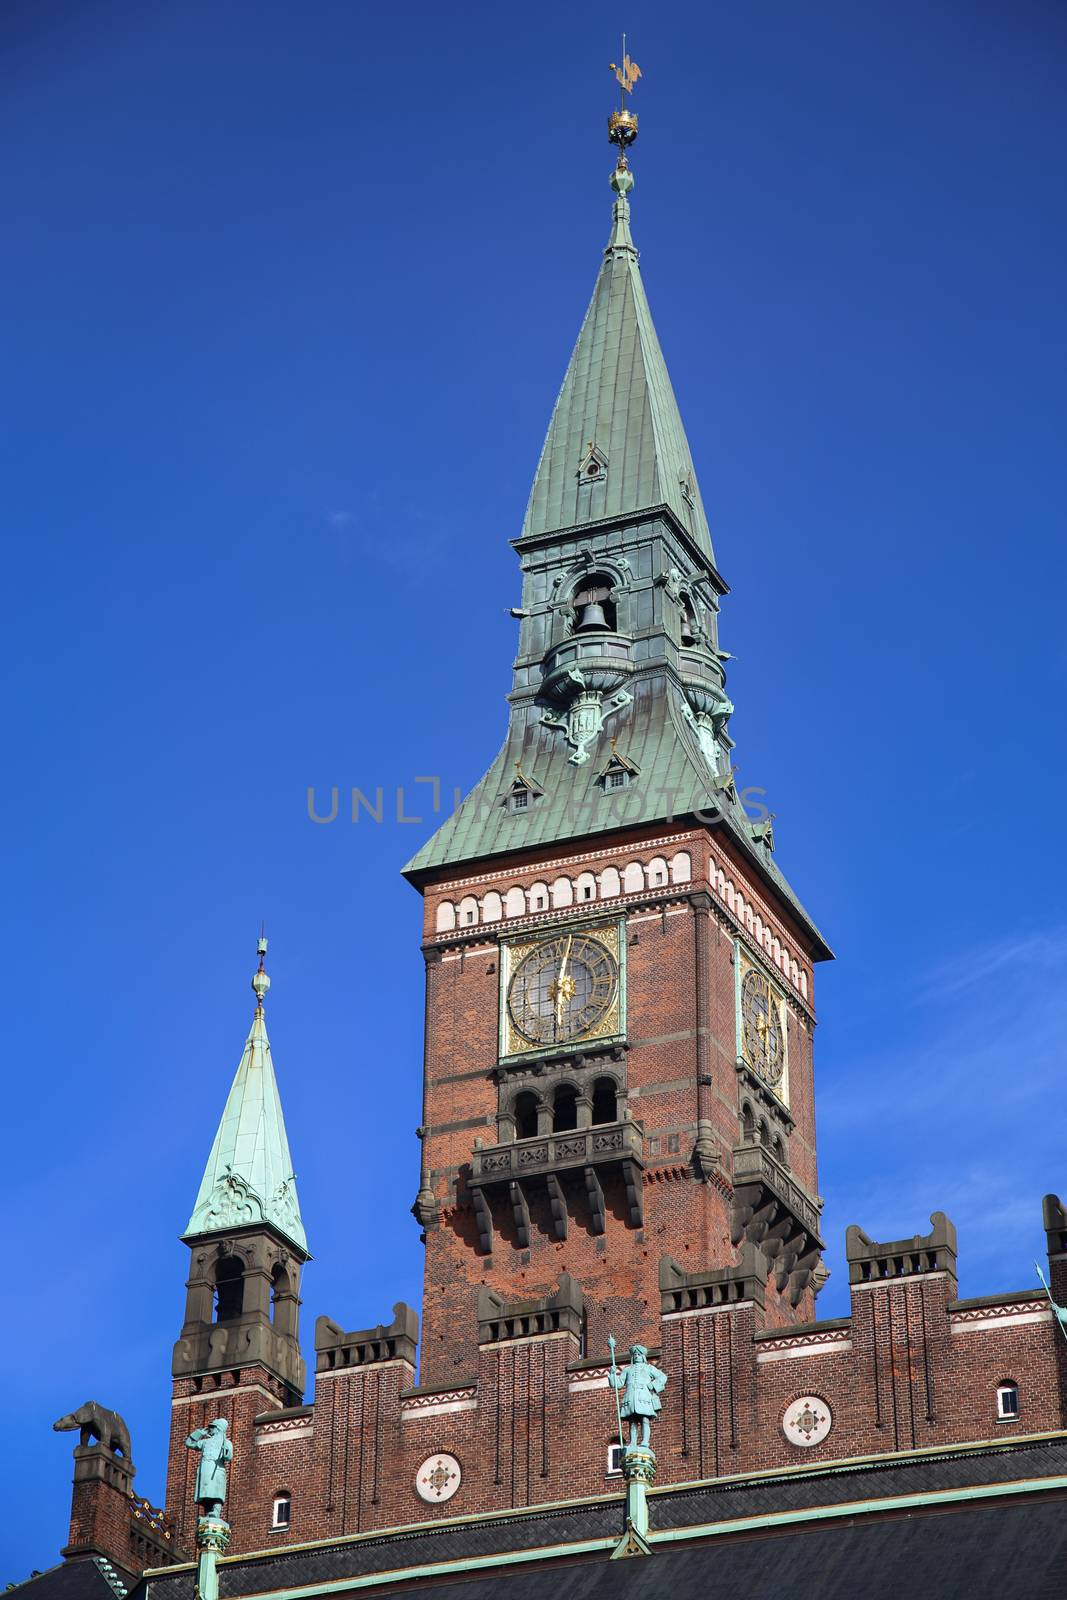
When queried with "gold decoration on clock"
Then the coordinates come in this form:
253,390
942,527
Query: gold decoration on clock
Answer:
561,989
762,1028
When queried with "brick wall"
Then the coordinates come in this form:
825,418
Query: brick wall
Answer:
533,1421
530,1418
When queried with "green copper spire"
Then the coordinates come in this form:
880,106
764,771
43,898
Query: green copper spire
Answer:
618,716
249,1177
616,412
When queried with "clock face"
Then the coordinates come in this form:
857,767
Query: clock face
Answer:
761,1026
562,989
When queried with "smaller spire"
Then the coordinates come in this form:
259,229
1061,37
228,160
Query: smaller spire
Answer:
249,1178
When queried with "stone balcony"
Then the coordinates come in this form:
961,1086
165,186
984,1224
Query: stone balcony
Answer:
559,1164
776,1213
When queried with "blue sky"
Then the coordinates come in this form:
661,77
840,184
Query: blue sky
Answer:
290,291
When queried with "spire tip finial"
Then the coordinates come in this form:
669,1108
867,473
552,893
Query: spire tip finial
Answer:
622,124
260,982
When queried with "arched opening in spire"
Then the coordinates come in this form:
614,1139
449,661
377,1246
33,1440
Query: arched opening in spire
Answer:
594,609
229,1288
283,1302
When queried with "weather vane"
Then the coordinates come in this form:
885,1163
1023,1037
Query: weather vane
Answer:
622,124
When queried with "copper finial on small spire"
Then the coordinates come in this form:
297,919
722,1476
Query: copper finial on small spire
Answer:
261,983
622,124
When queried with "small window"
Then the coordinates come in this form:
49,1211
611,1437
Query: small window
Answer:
1007,1402
540,903
282,1513
587,891
520,800
614,1460
469,916
618,780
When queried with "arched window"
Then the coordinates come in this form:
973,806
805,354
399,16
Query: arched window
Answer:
446,917
526,1115
605,1103
585,886
492,907
610,882
564,1109
538,893
1007,1402
279,1286
657,872
229,1288
563,892
468,911
748,1124
515,902
283,1302
282,1513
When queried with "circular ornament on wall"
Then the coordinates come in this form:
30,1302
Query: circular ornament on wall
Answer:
438,1478
807,1421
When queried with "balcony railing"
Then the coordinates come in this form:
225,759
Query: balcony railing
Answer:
553,1152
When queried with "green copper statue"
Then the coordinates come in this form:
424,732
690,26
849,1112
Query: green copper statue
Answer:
215,1451
639,1387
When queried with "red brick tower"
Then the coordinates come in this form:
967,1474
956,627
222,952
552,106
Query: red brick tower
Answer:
619,1109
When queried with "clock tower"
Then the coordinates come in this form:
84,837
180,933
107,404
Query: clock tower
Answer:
618,1097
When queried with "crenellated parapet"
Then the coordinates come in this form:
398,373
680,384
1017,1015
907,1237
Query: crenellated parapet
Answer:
560,1312
398,1340
715,1287
870,1262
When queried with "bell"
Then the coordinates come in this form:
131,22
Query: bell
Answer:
592,617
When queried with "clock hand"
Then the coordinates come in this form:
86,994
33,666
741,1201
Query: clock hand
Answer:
559,981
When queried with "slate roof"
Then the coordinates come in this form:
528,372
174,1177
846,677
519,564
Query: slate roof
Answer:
88,1578
835,1531
249,1174
1012,1552
617,395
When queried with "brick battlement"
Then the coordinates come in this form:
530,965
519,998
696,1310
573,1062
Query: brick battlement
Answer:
912,1367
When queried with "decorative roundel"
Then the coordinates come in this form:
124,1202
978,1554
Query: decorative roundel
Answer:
438,1478
807,1421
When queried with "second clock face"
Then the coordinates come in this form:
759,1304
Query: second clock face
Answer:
562,989
761,1025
